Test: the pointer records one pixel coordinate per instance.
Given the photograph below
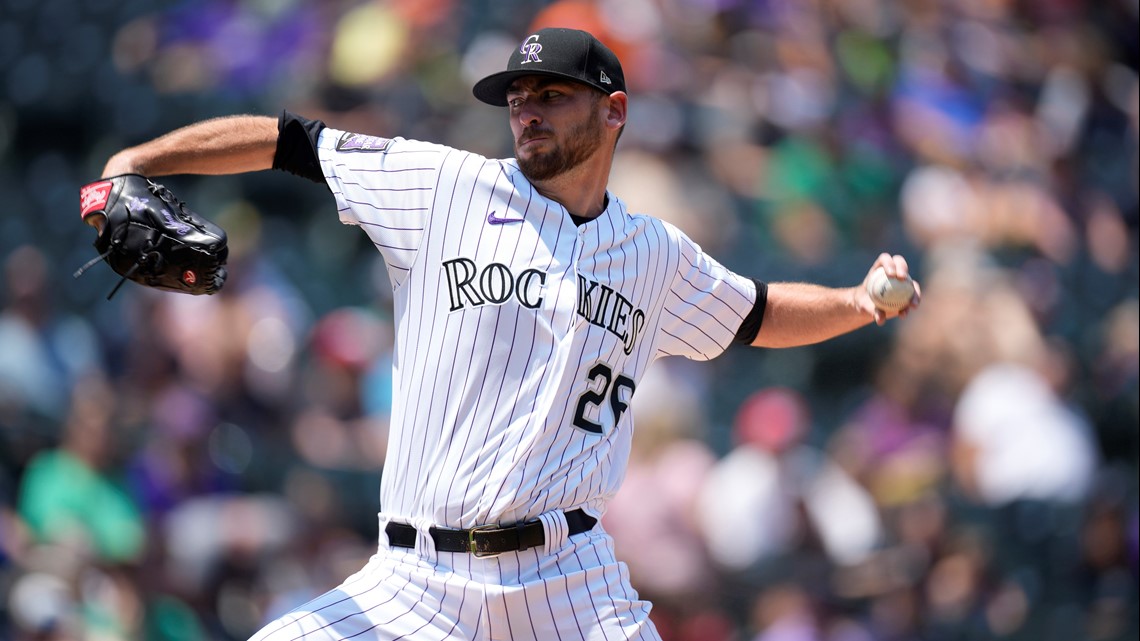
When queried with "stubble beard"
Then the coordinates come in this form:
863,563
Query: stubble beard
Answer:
581,142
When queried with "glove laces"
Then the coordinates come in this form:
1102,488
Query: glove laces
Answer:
143,259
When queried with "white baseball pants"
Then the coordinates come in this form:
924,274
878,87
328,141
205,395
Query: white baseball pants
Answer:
573,589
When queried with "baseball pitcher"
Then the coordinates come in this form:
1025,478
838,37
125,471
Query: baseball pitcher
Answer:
529,302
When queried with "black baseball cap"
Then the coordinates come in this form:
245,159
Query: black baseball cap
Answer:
566,53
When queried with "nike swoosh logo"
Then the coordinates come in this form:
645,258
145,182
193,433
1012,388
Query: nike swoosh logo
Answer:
495,220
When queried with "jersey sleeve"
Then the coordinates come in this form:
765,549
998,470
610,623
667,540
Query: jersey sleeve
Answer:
704,306
385,186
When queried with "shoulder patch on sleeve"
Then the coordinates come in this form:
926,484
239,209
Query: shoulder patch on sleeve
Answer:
360,142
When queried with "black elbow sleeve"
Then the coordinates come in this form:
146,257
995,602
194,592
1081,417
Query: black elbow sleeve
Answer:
750,327
297,147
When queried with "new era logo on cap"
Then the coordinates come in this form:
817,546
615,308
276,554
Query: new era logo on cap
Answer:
567,53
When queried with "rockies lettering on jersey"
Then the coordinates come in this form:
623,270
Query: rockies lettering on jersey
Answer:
605,308
494,284
600,305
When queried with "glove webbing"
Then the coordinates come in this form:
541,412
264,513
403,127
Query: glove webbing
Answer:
143,259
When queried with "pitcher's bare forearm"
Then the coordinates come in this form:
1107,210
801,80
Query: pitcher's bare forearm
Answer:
802,314
229,145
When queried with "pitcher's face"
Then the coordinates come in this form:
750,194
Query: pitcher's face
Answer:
557,125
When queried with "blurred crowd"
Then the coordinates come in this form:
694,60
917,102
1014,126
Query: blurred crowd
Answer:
176,468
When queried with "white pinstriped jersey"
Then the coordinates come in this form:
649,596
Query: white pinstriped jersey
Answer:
520,337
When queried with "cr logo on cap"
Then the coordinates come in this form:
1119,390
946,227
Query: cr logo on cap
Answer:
530,49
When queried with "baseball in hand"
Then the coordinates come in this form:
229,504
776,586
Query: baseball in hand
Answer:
889,294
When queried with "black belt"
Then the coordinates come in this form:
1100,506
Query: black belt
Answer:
487,540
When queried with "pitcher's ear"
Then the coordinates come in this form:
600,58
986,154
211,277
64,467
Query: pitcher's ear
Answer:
618,103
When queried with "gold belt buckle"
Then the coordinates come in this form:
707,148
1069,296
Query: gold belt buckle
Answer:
474,548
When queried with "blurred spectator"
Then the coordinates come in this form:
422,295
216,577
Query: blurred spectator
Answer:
1035,448
773,491
71,496
785,613
345,425
1115,381
45,349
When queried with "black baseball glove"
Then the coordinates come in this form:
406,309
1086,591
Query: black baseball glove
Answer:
150,237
